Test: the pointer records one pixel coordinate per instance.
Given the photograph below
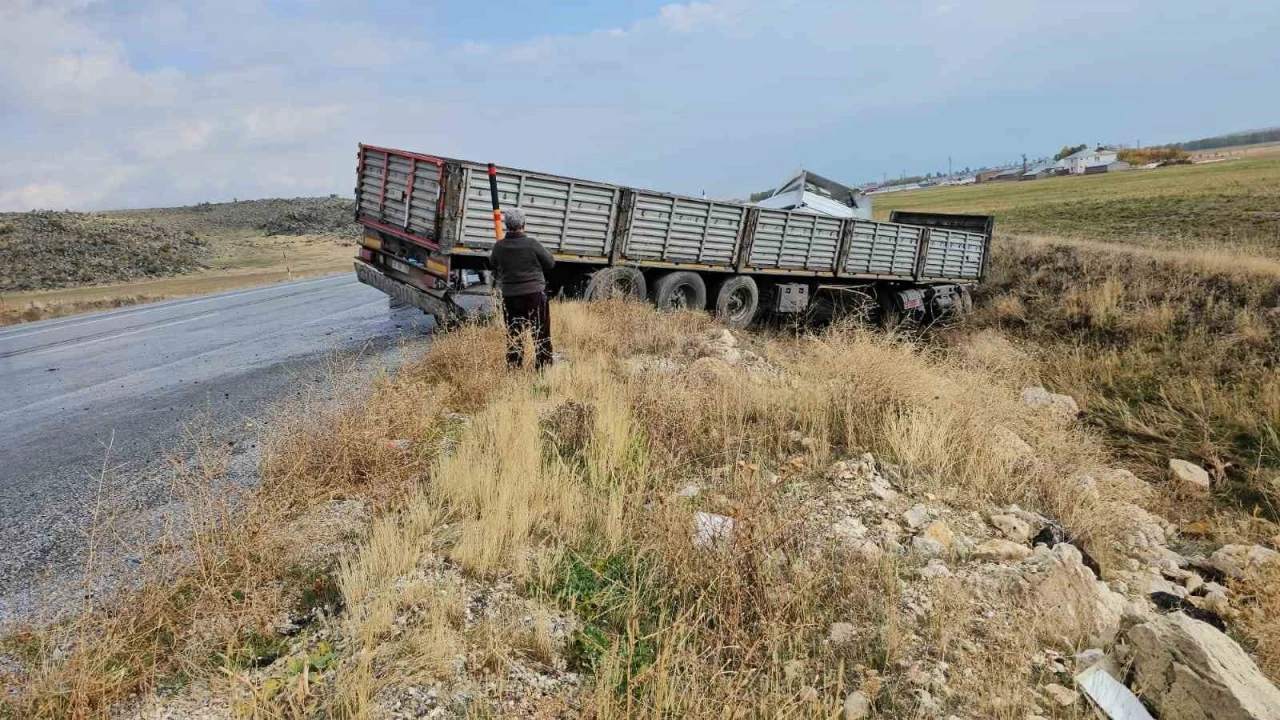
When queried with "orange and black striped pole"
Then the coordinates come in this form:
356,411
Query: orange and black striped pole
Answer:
493,195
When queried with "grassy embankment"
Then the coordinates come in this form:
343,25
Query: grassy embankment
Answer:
1159,312
562,488
1154,298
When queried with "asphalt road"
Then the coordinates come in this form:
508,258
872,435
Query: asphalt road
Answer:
122,389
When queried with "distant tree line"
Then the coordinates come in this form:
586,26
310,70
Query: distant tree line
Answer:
1255,137
1068,150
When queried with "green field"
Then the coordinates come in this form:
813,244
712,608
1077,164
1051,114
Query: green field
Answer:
1237,201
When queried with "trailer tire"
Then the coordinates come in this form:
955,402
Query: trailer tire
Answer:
680,290
616,282
736,301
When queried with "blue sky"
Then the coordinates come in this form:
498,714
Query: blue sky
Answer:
134,103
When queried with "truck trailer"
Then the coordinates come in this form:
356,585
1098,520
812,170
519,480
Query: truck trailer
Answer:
428,224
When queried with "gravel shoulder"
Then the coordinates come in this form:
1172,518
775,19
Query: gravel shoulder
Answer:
101,413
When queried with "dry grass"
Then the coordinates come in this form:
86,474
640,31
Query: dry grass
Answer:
1172,354
559,486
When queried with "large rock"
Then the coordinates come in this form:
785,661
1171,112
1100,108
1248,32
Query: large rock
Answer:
1072,603
998,550
1236,560
1063,405
856,706
1011,527
1187,670
1188,474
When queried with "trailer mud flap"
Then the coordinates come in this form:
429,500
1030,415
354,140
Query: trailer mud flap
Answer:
445,310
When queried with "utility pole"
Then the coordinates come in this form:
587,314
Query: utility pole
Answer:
948,166
1024,163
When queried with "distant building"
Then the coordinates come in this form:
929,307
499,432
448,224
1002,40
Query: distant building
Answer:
1109,167
1009,175
987,176
1078,163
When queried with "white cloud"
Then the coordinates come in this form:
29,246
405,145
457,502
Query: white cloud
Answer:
691,17
154,102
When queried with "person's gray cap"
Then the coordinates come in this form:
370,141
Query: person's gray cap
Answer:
513,219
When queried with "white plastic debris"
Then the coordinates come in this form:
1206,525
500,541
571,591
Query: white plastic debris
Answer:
1113,698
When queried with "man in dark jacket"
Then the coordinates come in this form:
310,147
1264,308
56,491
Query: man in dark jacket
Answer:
520,264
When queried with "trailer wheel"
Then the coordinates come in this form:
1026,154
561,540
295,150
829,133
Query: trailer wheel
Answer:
680,290
737,299
616,282
966,300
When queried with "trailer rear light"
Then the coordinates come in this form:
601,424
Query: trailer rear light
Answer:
366,254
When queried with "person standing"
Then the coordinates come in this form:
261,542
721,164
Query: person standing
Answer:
520,264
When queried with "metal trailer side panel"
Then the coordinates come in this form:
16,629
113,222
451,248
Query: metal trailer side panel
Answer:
399,191
795,241
953,255
673,229
877,248
569,217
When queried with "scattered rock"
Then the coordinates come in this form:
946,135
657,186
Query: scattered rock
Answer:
1235,560
1064,405
1071,600
1187,670
710,529
807,695
1014,443
400,444
856,706
841,633
1063,696
916,517
1052,535
882,489
927,547
998,550
941,533
1012,528
1188,474
1092,656
849,528
935,569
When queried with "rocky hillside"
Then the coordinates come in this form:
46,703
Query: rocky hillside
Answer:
683,521
277,216
47,249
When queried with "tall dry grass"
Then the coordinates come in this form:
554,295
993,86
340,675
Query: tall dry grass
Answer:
561,485
1172,354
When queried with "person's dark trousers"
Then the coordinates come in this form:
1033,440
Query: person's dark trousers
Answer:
528,311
